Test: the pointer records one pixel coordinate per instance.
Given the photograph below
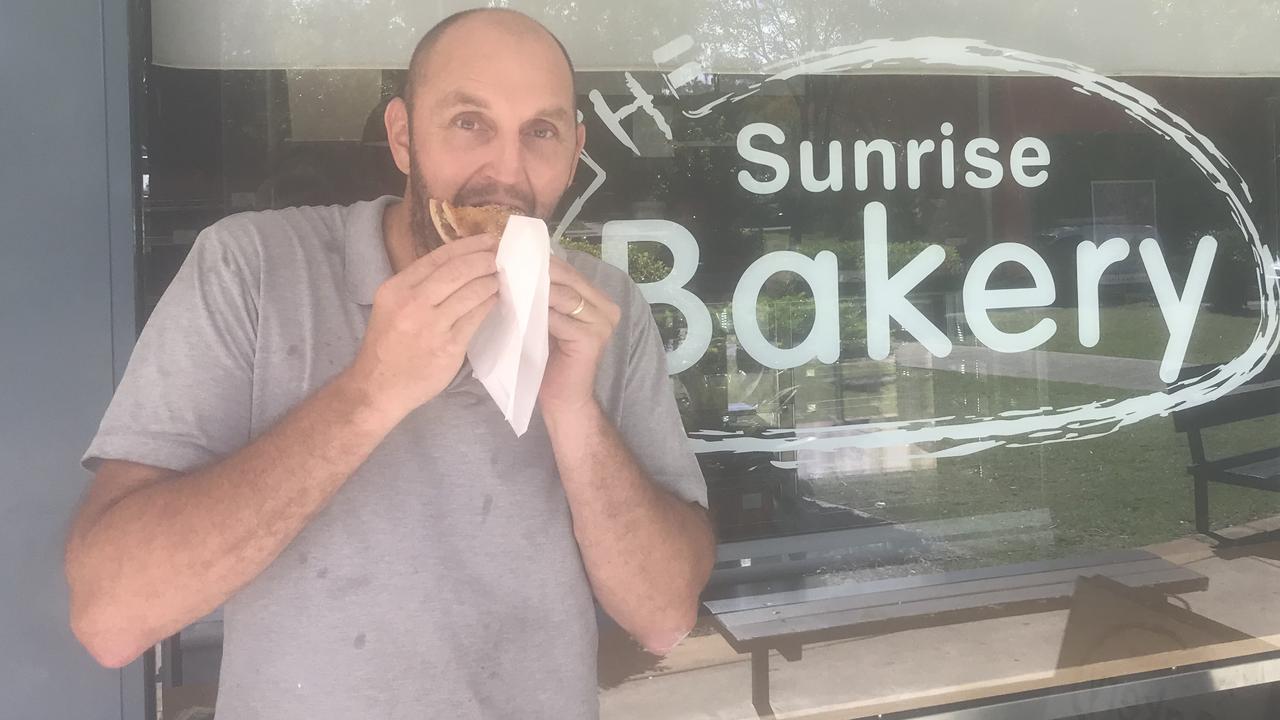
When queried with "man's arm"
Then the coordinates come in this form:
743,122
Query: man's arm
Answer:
647,553
152,550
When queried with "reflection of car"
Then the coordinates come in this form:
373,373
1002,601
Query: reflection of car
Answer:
1057,245
754,496
767,413
759,494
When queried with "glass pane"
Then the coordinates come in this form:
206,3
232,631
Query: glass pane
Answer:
947,318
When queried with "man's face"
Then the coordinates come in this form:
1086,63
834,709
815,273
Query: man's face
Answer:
492,121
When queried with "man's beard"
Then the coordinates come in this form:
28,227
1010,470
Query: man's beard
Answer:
425,236
485,192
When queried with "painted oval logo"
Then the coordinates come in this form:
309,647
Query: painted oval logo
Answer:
886,293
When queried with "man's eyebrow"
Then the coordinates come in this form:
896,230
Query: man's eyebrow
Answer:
554,113
460,97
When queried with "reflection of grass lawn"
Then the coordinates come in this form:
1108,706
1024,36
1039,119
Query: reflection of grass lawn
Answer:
1138,331
1126,489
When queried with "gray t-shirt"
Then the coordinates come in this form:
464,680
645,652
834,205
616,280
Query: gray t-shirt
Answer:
443,579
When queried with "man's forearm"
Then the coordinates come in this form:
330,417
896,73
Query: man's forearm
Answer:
647,553
172,551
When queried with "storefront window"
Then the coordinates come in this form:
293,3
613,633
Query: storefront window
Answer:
949,291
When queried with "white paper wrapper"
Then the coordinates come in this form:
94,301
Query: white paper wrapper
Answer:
508,353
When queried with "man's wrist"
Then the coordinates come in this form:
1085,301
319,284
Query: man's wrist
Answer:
571,419
361,406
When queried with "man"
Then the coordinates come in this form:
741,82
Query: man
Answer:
299,440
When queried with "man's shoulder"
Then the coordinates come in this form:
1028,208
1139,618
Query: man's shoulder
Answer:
259,235
307,224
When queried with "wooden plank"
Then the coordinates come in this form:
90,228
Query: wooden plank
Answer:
952,610
943,611
1252,400
778,599
1265,471
805,542
1269,373
1249,482
1209,469
984,586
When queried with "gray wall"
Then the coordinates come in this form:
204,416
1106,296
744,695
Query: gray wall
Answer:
66,316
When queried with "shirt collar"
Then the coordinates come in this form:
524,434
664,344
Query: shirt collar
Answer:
367,264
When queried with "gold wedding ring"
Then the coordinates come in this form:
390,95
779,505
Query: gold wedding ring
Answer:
582,302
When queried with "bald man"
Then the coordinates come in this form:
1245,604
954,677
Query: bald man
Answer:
299,440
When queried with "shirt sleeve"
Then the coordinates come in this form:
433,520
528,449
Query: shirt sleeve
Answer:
185,398
650,421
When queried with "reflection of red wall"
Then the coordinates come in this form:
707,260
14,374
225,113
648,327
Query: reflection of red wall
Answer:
1231,111
1011,217
1043,108
1017,108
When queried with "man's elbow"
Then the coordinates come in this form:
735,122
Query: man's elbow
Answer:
664,637
677,623
98,630
109,648
109,657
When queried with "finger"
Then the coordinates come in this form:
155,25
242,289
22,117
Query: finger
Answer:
564,299
423,267
574,333
587,316
563,273
464,299
590,323
454,274
567,329
465,327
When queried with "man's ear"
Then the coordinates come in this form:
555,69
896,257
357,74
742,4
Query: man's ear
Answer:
396,119
577,152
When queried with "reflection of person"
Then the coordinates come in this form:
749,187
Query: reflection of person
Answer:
297,436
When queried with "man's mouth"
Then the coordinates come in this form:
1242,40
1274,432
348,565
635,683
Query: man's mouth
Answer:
521,206
488,196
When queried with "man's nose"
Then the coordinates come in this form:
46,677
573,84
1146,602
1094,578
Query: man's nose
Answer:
506,164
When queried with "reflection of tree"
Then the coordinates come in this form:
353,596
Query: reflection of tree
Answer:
618,30
748,35
755,33
642,264
743,34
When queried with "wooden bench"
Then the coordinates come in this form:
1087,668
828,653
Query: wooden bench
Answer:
787,621
1260,469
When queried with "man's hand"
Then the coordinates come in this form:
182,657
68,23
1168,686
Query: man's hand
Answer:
422,321
580,321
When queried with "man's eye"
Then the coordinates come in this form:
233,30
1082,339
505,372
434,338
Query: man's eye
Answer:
543,133
466,123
